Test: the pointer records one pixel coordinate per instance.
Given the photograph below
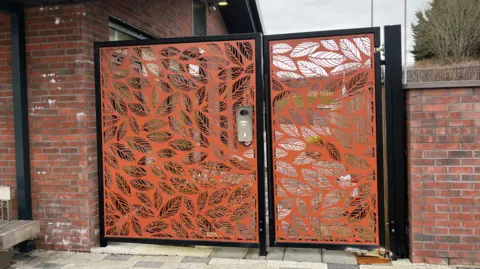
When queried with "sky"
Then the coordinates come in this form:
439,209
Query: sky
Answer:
287,16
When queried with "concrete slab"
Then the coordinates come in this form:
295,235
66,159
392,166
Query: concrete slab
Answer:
229,253
155,250
342,266
253,254
190,259
336,256
115,248
275,254
149,264
303,255
50,266
114,257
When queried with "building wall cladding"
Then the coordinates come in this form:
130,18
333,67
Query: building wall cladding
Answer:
61,97
443,130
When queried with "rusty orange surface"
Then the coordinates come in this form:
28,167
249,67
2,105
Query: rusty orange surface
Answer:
173,168
324,140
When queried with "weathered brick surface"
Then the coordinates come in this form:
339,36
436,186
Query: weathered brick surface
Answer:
444,175
62,106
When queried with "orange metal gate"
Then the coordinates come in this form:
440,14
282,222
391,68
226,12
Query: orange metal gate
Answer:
325,138
172,166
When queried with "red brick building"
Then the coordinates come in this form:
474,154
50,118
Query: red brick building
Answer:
61,97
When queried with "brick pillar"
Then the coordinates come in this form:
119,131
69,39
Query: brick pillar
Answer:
444,175
61,99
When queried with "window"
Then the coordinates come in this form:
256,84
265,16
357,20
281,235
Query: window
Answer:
199,18
122,31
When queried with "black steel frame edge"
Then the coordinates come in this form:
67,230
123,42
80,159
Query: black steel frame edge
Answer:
396,143
378,93
353,31
260,161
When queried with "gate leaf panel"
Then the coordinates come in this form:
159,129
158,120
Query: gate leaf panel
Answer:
172,165
324,140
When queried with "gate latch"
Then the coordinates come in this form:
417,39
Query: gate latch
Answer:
245,124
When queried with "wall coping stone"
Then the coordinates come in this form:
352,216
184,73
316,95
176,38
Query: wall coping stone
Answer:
441,85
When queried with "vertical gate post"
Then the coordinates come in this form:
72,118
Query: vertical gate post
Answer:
396,150
20,115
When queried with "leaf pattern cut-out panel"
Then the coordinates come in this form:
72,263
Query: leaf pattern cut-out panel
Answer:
324,140
172,165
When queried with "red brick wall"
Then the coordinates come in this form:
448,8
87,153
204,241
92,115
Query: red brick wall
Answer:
62,106
7,145
444,175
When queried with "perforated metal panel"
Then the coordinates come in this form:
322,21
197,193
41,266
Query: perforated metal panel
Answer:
199,18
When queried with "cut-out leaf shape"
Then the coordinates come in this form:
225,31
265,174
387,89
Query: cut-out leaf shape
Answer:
118,104
110,159
363,43
153,125
285,168
203,122
169,52
250,69
213,63
343,137
349,50
308,133
291,79
122,184
316,201
136,227
280,153
183,186
304,49
181,144
174,168
135,171
240,86
181,82
144,198
360,212
315,180
122,90
154,69
189,206
303,158
241,212
202,200
132,122
290,230
356,161
301,207
163,86
332,169
330,44
332,198
284,62
186,221
190,53
166,188
240,194
178,229
177,127
357,82
218,212
230,73
240,163
246,49
281,48
355,103
345,69
122,131
233,54
156,227
170,208
166,153
205,226
120,203
327,58
168,105
109,133
110,120
295,187
145,53
139,144
311,70
122,151
333,213
125,230
194,157
141,185
292,144
198,73
333,152
224,226
276,86
215,49
138,83
362,123
217,196
159,137
284,208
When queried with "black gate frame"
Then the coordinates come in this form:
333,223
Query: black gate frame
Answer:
378,110
257,37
